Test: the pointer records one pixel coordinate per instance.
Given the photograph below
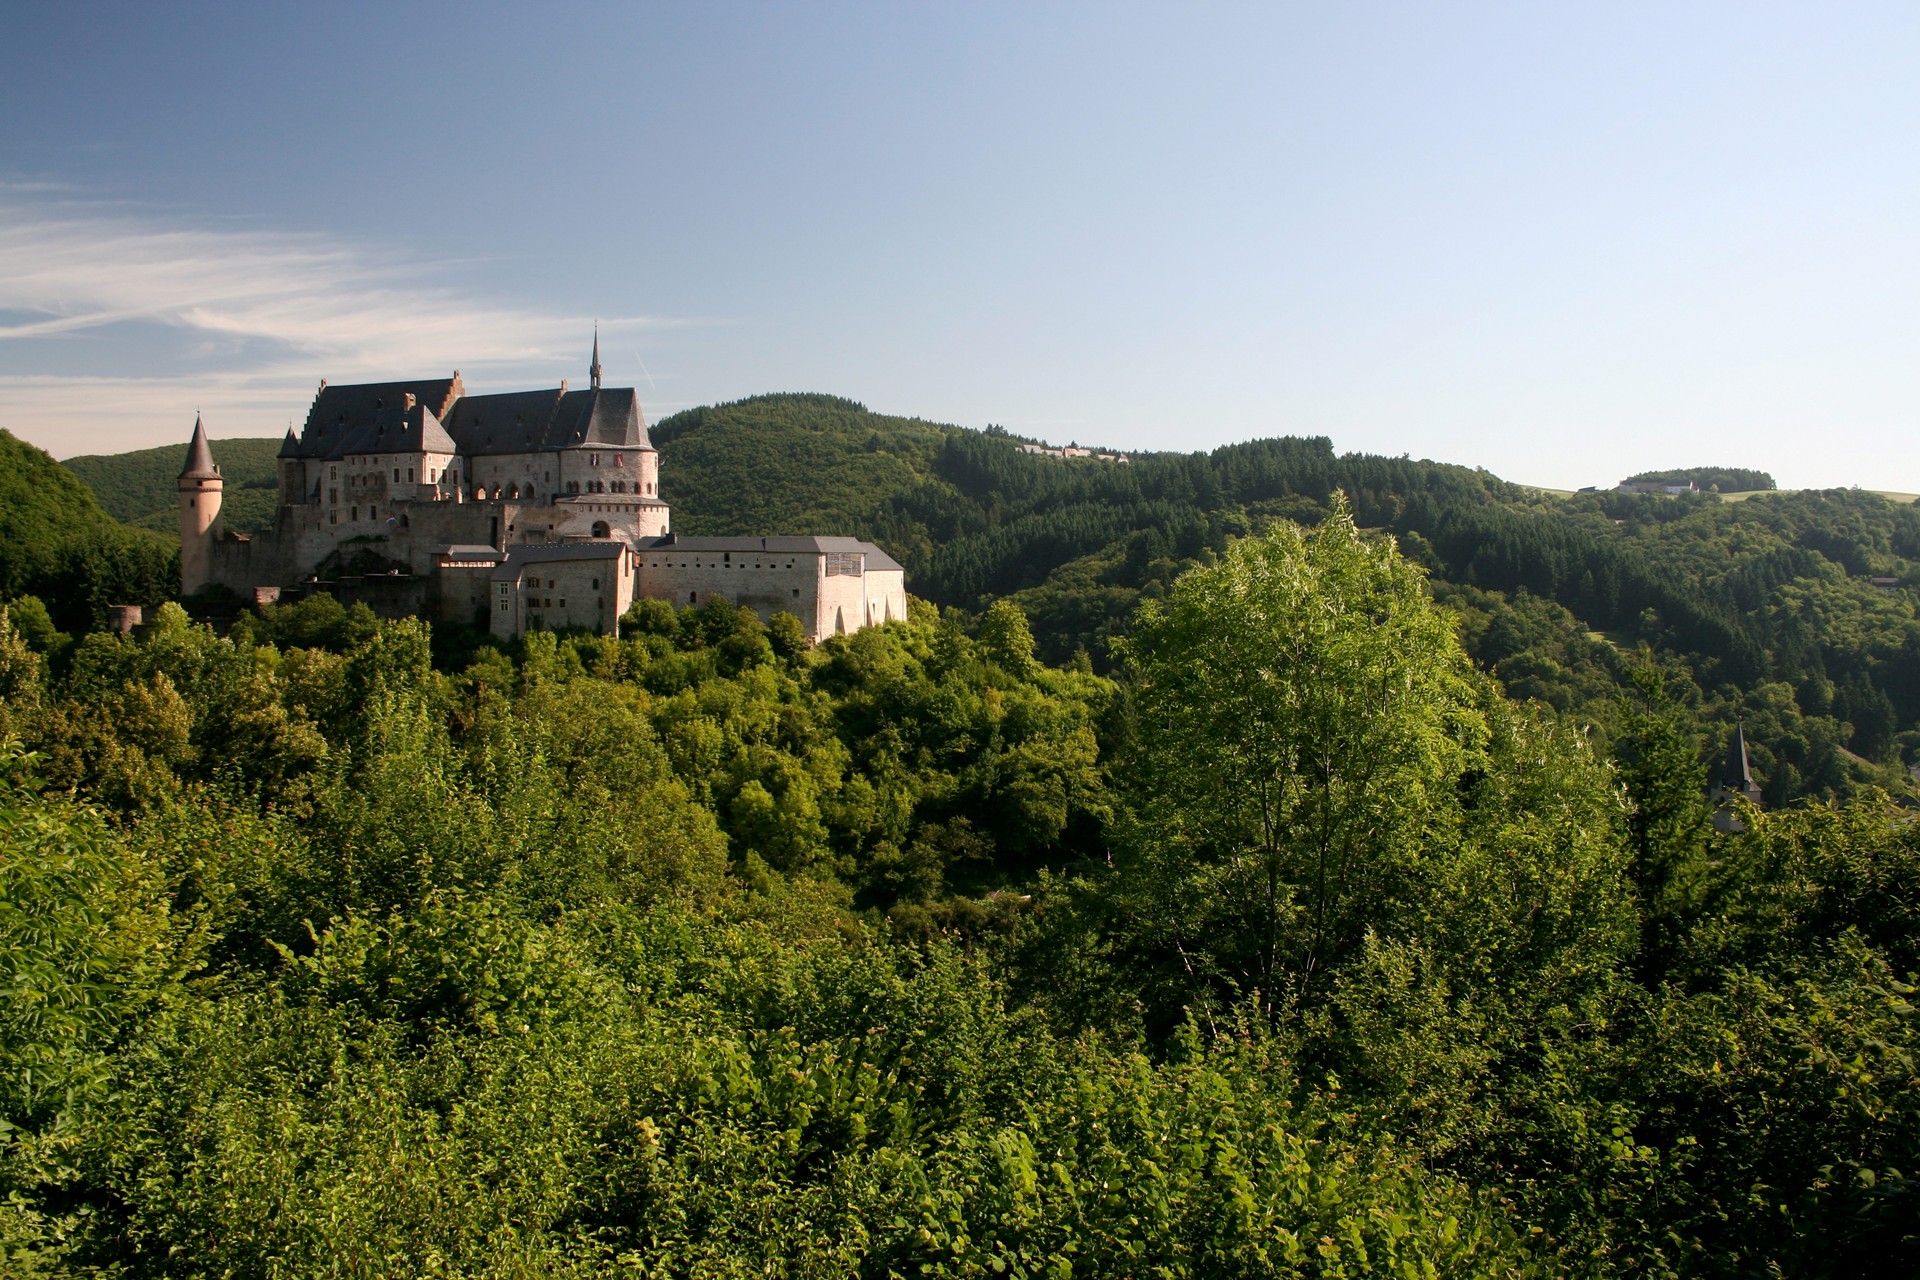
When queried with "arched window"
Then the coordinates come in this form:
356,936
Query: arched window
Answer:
513,491
601,529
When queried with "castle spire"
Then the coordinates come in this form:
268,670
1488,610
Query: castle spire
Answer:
596,355
199,455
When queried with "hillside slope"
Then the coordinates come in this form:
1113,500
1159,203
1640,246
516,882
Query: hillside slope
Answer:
138,488
813,464
1767,609
57,543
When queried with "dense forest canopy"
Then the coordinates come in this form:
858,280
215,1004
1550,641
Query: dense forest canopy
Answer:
1296,950
1266,862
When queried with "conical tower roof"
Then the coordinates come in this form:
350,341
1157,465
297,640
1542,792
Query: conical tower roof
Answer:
290,447
1735,774
199,456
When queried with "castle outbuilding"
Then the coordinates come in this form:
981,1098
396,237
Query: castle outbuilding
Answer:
519,511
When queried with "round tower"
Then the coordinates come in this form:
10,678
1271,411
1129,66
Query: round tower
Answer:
200,487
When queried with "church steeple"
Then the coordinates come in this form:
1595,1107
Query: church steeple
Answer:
596,356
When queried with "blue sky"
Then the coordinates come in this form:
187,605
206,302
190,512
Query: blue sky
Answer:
1563,242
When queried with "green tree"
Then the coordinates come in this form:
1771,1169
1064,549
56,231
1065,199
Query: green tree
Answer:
1304,716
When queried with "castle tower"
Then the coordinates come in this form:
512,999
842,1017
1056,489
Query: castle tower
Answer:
200,486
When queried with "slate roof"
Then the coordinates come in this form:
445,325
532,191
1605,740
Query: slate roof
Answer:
199,464
373,417
536,421
519,557
340,414
794,545
1735,774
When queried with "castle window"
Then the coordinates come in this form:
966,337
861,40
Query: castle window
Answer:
333,517
692,596
533,582
796,593
563,602
355,515
596,584
396,475
409,475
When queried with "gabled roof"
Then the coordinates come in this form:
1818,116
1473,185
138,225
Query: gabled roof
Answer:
199,464
537,421
339,414
375,417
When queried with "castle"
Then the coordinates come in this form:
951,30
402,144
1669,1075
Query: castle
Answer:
523,511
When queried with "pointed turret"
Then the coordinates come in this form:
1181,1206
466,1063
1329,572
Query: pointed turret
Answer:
290,447
1734,779
1735,773
596,356
199,455
200,485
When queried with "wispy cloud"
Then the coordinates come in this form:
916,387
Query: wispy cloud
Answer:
315,305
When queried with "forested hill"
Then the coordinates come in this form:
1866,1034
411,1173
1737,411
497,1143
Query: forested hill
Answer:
139,488
57,544
1779,609
1291,949
1767,609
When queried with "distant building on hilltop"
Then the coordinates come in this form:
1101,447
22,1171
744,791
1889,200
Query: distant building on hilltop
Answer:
517,512
1657,486
1071,451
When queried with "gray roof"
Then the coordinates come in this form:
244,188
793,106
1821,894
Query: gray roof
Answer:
806,545
519,557
471,551
1735,774
199,465
376,417
537,421
340,414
